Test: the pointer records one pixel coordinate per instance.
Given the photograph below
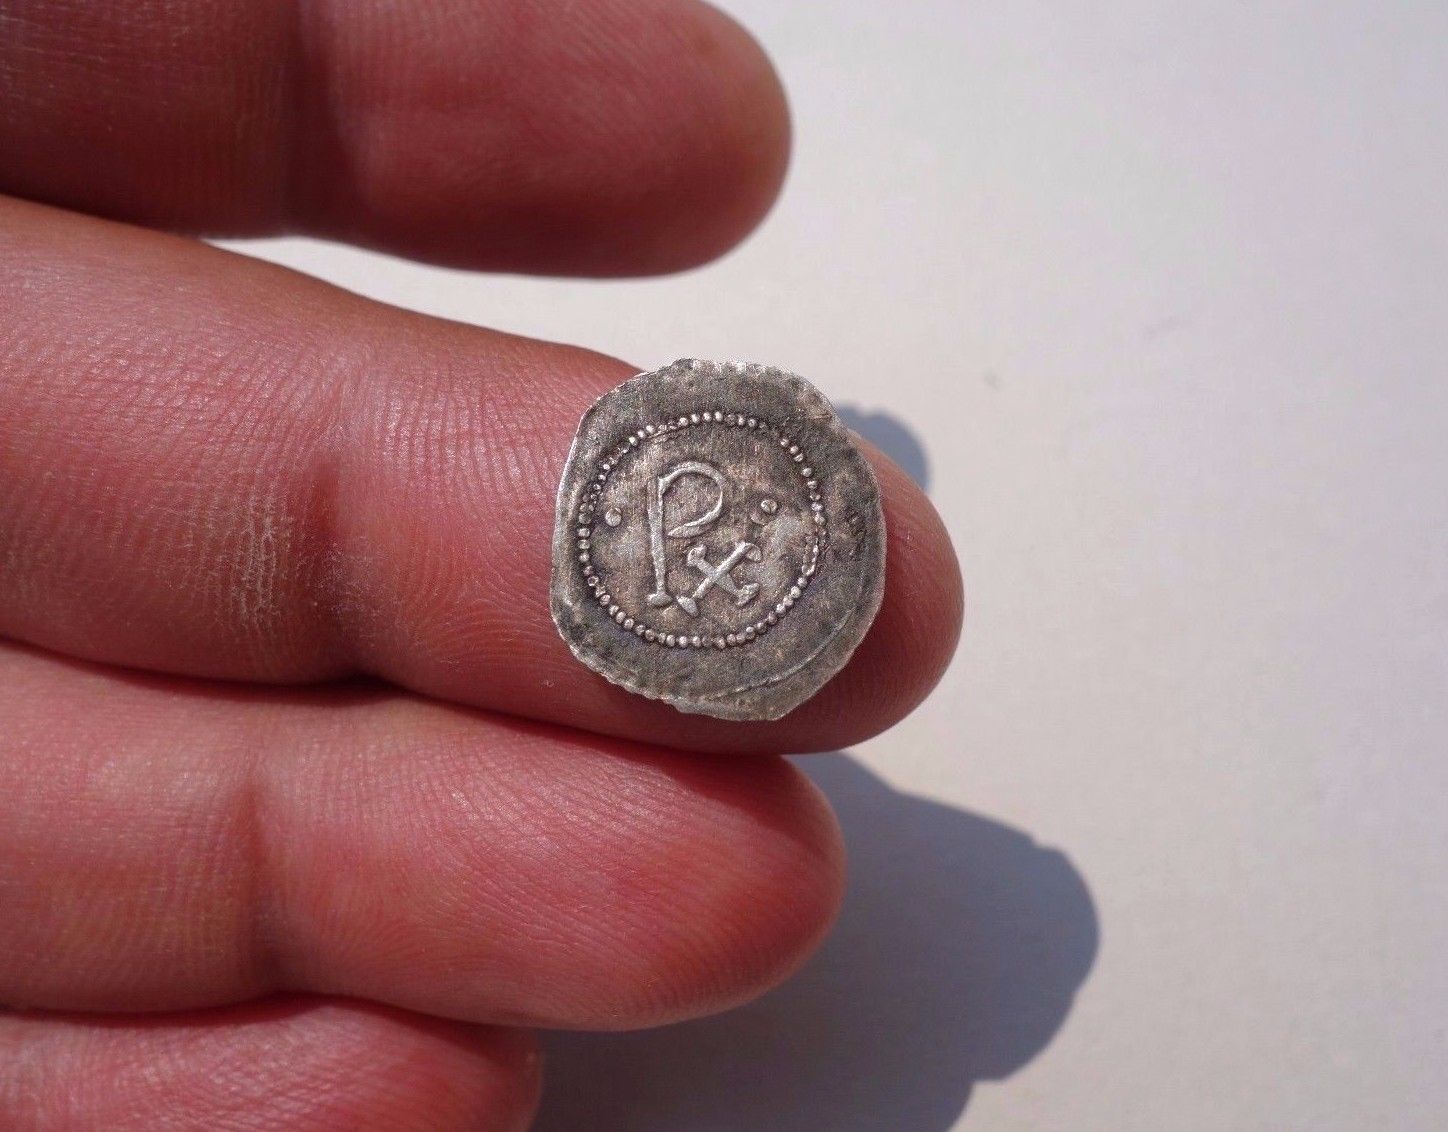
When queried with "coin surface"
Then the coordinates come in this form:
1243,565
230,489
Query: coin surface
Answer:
719,541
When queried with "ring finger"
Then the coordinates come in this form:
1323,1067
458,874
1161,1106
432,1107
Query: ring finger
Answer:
170,844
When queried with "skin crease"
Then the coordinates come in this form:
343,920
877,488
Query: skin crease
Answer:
338,514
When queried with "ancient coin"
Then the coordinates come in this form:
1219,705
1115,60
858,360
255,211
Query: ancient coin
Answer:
719,542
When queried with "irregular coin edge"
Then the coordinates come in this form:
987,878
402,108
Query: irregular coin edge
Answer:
842,640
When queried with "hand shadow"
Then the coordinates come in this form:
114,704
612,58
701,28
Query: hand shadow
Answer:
959,950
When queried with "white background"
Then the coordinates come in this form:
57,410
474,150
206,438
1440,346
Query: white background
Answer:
1154,298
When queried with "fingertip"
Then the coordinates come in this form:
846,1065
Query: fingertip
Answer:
640,137
735,150
921,616
677,886
760,878
509,1090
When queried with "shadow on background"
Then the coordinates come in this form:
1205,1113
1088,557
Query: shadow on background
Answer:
893,437
957,956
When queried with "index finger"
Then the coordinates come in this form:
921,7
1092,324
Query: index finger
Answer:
597,137
214,467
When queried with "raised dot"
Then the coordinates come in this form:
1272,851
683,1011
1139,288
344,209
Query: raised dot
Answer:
768,506
613,516
628,623
612,610
820,520
583,544
684,422
639,629
718,416
731,639
650,635
583,557
671,640
773,618
693,417
604,598
620,616
781,608
697,642
807,472
753,423
648,430
794,593
719,642
749,633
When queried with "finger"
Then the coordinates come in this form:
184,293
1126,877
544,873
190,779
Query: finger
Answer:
596,137
212,466
165,845
296,1064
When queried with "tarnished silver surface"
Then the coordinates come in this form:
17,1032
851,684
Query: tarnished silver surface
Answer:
719,542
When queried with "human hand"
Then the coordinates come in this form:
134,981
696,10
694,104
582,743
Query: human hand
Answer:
240,888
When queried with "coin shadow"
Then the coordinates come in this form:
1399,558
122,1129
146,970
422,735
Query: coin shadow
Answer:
892,436
958,954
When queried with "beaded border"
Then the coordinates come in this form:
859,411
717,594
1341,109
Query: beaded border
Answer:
648,633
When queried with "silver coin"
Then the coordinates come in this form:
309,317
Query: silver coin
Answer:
719,543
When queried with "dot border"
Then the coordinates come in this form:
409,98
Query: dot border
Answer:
630,444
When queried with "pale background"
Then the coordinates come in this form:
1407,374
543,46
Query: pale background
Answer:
1154,299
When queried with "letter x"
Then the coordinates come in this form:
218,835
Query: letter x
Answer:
720,576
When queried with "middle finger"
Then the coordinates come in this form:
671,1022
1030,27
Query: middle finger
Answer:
214,467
